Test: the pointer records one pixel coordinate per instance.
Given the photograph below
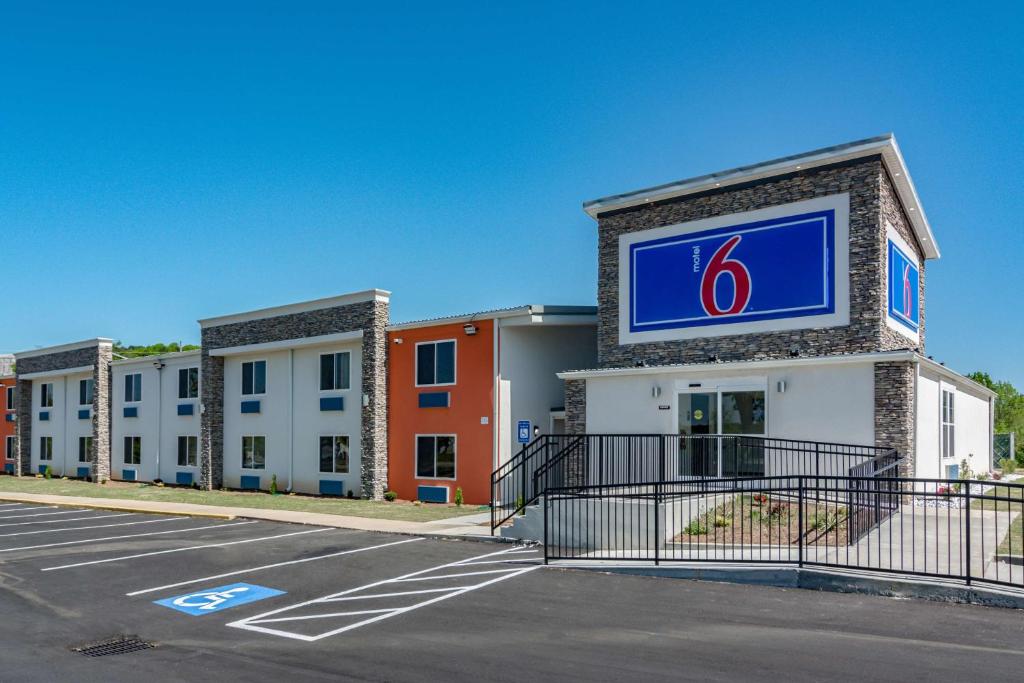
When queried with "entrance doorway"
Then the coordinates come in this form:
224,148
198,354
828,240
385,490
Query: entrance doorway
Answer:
732,412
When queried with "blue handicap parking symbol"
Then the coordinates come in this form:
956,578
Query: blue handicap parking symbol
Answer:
210,600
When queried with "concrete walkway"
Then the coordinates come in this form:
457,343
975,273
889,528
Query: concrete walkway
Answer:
468,527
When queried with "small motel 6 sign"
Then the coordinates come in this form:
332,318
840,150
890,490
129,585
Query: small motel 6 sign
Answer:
210,600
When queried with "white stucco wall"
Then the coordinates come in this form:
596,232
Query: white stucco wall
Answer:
64,425
158,422
929,407
529,358
291,420
972,420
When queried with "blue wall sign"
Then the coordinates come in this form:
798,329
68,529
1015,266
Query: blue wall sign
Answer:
210,600
523,431
783,267
904,292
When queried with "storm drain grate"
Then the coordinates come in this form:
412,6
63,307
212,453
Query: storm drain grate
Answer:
119,645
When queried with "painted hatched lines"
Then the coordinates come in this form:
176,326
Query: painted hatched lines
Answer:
84,528
303,618
263,567
191,547
64,520
116,538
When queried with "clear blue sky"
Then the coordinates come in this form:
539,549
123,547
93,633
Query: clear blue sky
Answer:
162,165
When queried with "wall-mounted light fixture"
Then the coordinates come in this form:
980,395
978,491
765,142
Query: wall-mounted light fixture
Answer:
781,386
470,329
398,340
655,391
366,400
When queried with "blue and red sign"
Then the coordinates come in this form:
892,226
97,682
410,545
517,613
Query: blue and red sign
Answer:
765,270
904,298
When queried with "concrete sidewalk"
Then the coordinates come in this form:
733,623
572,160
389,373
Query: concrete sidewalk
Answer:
470,527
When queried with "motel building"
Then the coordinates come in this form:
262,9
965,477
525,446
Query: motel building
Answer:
460,388
296,395
63,412
784,299
155,418
8,408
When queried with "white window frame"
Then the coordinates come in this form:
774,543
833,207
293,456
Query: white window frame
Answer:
266,376
46,388
334,435
48,440
133,399
242,453
318,375
124,451
178,451
947,427
92,391
11,398
87,450
416,454
10,447
188,368
455,363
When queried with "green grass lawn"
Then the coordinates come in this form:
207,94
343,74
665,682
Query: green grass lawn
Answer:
399,510
1007,500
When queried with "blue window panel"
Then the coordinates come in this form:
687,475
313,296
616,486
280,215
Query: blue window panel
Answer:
129,475
9,417
250,407
250,481
332,403
83,414
186,409
9,468
332,488
435,399
432,494
83,472
44,416
183,478
131,412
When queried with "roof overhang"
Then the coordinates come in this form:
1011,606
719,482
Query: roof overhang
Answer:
73,346
883,145
301,307
534,314
158,357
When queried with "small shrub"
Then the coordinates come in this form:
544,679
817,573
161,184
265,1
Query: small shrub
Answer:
519,502
981,476
696,527
47,473
458,497
351,494
997,476
759,499
390,496
1008,465
722,521
273,484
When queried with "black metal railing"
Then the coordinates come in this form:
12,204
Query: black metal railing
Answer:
971,531
598,459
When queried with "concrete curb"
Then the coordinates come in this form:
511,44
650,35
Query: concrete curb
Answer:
885,585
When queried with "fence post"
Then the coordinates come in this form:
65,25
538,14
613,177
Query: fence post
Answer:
661,458
967,534
817,460
545,503
800,520
600,461
657,525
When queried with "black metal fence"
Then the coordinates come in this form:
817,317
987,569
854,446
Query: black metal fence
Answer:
553,461
953,529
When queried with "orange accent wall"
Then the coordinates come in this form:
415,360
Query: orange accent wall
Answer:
471,398
6,428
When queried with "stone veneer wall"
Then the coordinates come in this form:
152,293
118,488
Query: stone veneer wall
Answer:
872,200
369,316
575,406
98,356
895,410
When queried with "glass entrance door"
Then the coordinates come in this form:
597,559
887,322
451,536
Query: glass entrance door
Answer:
698,419
743,414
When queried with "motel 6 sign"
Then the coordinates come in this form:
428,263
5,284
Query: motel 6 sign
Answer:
780,268
903,291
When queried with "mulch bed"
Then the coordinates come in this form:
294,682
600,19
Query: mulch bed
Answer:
760,519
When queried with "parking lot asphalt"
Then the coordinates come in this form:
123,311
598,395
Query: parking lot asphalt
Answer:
239,600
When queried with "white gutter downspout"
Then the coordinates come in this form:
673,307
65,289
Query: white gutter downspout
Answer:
291,417
159,364
64,467
496,427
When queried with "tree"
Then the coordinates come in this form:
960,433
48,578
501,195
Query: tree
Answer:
1009,408
151,350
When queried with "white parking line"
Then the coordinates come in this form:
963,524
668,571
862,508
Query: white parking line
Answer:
117,538
254,623
7,505
191,547
34,507
261,568
95,526
63,520
4,518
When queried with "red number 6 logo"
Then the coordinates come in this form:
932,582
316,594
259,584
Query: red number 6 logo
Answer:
719,265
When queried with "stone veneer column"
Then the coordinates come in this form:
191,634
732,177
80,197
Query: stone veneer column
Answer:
894,410
102,398
24,427
211,421
576,406
374,418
